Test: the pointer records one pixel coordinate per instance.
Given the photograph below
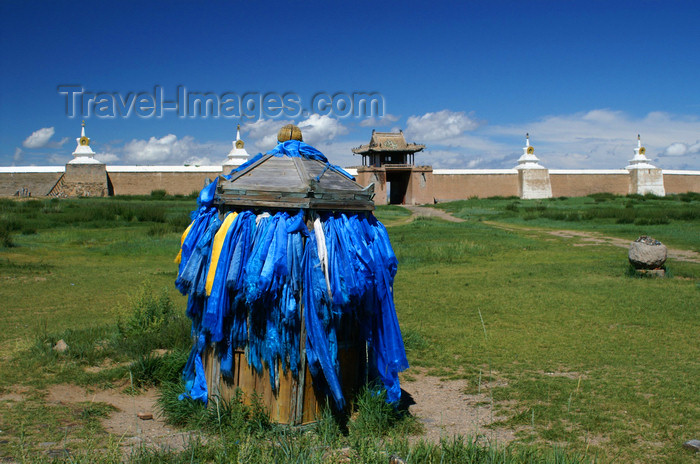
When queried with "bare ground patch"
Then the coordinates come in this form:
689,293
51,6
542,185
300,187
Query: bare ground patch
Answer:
12,396
446,410
124,422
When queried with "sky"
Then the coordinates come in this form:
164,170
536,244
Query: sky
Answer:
467,79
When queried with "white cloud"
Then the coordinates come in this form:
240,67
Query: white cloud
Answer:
440,126
319,129
596,139
107,158
340,152
171,150
59,143
681,149
377,122
458,159
201,161
18,154
262,133
39,138
606,139
59,159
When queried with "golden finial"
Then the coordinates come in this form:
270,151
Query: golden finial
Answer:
83,123
289,132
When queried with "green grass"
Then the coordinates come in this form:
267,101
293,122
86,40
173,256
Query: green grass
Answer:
580,358
585,351
673,219
391,214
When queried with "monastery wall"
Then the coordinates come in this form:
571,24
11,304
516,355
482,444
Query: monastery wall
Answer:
38,181
424,186
461,184
681,181
175,180
579,183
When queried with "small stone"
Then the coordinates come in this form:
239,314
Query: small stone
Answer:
60,346
144,415
647,253
692,445
58,453
651,272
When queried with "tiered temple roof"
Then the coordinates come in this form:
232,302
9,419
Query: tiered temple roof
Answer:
387,142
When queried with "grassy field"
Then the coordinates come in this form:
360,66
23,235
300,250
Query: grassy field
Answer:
621,216
574,352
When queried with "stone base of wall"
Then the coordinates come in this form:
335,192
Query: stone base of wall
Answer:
643,181
84,180
84,189
534,184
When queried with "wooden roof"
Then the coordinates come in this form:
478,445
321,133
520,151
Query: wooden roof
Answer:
388,142
293,182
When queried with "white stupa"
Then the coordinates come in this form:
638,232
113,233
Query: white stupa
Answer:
640,161
83,153
238,155
644,176
528,160
533,178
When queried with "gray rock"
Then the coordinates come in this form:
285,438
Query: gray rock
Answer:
60,346
647,253
58,453
692,445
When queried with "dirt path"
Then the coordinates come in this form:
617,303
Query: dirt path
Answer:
430,212
594,238
587,238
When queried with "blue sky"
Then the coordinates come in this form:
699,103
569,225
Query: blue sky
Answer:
468,79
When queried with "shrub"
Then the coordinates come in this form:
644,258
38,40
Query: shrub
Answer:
232,416
158,230
6,240
160,194
689,196
179,223
512,206
149,313
601,197
413,340
375,418
650,221
179,412
150,214
150,370
499,197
